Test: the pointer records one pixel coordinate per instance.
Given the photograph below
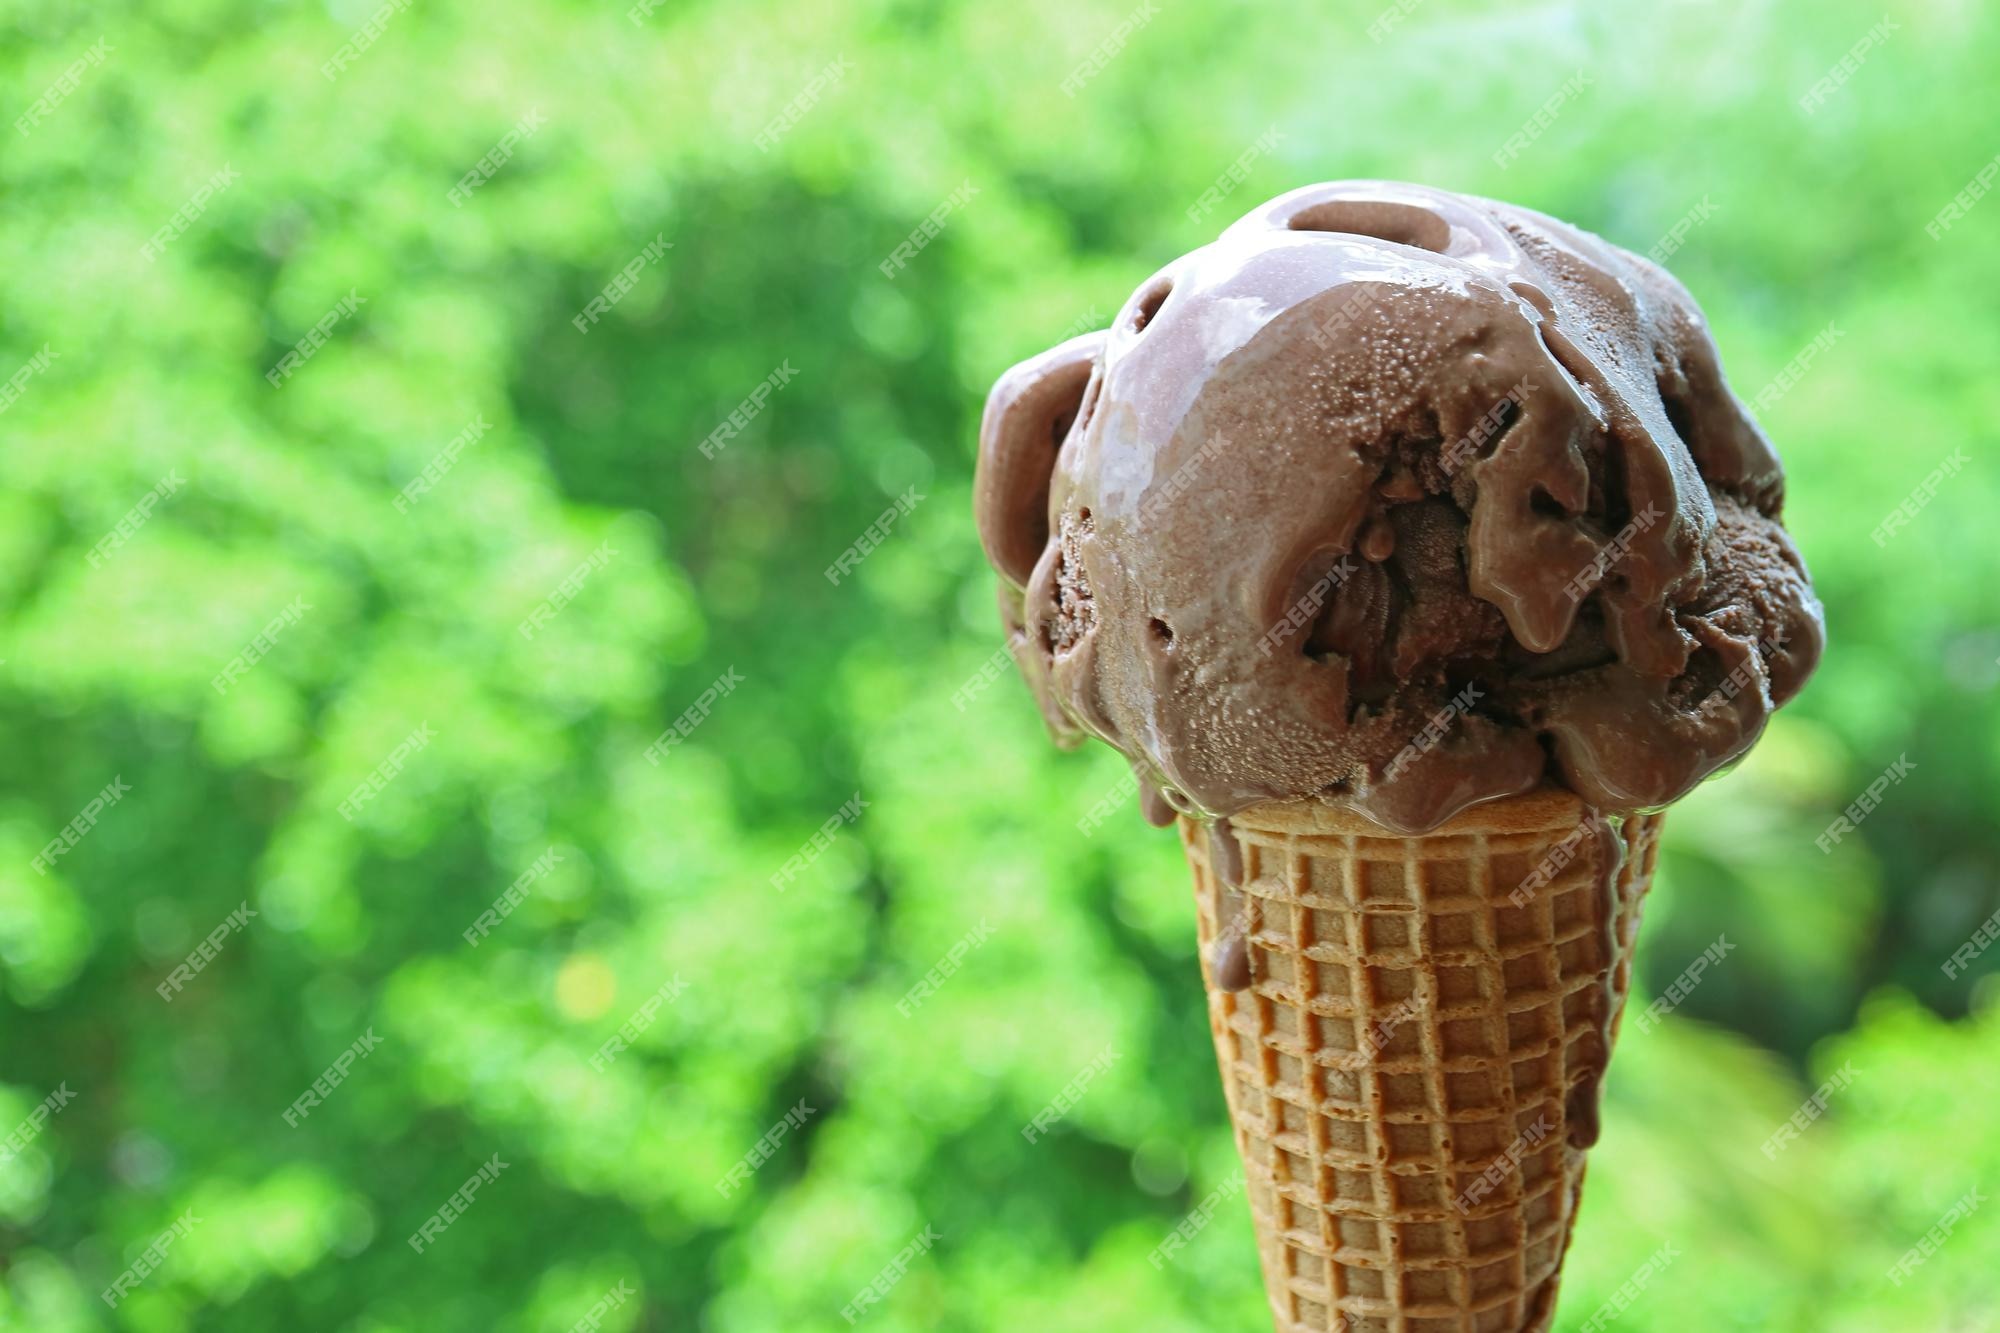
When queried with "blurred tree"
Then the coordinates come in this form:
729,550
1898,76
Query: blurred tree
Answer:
223,183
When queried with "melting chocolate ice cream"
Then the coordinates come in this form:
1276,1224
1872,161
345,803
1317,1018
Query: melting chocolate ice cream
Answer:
1402,499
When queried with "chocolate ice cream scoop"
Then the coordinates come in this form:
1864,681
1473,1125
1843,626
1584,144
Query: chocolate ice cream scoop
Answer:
1402,499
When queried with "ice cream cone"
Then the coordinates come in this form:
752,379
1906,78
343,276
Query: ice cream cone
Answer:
1413,1065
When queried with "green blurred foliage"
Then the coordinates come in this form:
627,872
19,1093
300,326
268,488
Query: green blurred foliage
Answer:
971,820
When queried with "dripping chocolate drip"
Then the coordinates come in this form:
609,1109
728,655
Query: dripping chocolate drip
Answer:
1582,1108
1231,955
1225,853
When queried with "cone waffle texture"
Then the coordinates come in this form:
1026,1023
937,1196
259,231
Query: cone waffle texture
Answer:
1400,1069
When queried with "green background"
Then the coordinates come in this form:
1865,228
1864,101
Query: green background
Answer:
972,817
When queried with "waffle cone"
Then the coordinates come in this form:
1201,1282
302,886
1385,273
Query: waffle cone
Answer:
1412,1069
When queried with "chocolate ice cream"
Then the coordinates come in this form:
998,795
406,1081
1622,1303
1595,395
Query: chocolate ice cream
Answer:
1401,499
